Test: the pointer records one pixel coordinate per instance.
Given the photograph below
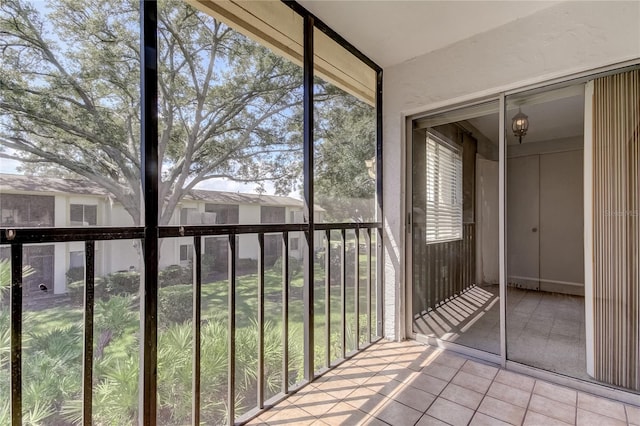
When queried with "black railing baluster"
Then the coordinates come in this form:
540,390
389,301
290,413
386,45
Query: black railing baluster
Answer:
16,334
231,391
260,392
197,318
89,302
357,288
285,312
379,281
343,291
369,276
327,295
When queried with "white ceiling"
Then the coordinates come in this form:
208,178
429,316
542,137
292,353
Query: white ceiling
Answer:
551,119
391,32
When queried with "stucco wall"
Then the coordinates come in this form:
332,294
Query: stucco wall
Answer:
558,41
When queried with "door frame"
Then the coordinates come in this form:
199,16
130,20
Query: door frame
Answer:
405,314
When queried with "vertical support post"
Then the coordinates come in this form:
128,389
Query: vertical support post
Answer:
327,295
502,228
343,291
285,312
379,283
150,171
379,216
357,289
369,276
231,355
260,394
16,334
197,317
87,364
308,198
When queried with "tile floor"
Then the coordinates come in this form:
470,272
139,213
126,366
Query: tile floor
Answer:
407,383
544,330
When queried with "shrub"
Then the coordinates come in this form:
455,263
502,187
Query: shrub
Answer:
75,289
75,274
122,283
295,266
246,265
175,304
174,275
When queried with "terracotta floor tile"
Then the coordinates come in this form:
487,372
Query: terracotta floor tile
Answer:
552,408
450,412
395,372
480,419
555,392
481,370
339,389
536,419
633,414
470,381
414,398
291,416
502,410
343,414
427,420
449,359
509,394
366,399
515,380
428,383
316,404
397,414
448,389
373,421
440,371
588,418
603,406
463,396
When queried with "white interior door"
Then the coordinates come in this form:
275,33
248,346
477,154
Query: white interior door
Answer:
562,222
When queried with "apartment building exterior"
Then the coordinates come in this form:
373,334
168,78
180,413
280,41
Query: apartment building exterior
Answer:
33,201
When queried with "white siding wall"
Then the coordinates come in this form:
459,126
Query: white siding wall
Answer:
567,38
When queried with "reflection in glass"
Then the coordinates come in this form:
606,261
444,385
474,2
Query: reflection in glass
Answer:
455,227
231,113
5,333
545,247
83,76
345,135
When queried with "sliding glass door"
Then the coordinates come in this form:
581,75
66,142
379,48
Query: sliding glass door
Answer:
455,226
525,232
545,316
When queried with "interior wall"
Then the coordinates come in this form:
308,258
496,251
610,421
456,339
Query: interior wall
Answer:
545,217
488,264
561,40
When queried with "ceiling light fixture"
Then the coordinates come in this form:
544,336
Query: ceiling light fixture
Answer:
520,125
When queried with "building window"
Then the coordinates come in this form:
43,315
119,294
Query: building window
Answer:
294,243
83,215
444,189
27,210
76,259
272,214
225,214
186,253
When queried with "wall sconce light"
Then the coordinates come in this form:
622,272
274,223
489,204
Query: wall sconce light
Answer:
520,125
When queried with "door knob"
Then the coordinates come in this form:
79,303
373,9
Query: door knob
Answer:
534,229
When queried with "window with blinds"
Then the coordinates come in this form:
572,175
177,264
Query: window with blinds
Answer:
444,190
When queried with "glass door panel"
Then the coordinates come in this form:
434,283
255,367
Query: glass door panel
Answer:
545,230
455,291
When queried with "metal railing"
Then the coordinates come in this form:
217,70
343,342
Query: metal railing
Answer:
19,238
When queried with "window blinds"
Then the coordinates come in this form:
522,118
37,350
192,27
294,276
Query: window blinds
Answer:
444,190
